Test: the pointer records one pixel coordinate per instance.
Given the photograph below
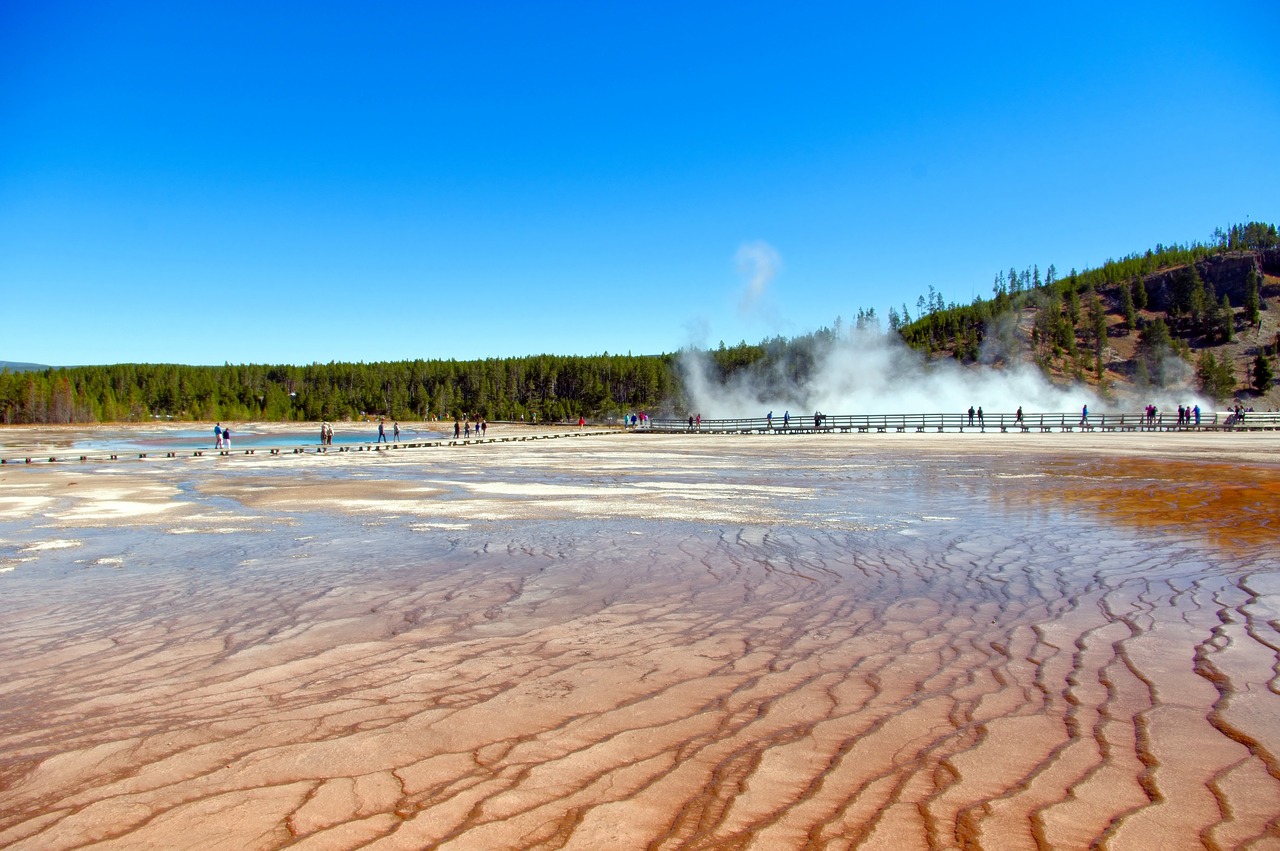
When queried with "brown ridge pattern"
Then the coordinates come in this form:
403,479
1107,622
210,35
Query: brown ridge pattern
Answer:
923,650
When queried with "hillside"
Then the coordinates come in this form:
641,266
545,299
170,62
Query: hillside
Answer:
1171,318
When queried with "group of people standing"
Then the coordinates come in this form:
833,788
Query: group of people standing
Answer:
463,427
326,434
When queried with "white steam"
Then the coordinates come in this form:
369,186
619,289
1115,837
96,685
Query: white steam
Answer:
758,263
869,372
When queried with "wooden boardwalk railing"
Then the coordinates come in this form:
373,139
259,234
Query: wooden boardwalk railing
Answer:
962,422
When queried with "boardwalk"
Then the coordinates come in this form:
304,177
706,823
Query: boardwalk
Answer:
962,422
1058,423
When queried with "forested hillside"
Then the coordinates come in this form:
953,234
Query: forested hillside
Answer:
546,387
1208,310
1208,313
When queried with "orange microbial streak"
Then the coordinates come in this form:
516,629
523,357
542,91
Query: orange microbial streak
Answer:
1225,503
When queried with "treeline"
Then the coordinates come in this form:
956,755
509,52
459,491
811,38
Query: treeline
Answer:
545,387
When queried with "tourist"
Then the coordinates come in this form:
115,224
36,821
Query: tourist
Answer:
971,415
217,436
1017,418
382,432
395,431
226,438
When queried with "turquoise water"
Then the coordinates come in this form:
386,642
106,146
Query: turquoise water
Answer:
246,437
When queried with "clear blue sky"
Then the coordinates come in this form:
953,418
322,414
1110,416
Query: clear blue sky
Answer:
289,183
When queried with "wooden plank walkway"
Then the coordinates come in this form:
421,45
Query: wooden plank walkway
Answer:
1058,423
960,423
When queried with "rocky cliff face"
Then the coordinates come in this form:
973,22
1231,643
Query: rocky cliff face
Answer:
1227,273
1271,261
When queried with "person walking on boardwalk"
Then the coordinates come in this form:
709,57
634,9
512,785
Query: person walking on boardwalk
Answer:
226,438
328,434
1084,415
395,431
786,419
457,429
382,431
217,436
1017,418
768,420
324,433
582,421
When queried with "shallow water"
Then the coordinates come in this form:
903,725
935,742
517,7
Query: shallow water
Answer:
165,437
641,642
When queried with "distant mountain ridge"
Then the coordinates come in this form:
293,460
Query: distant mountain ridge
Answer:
18,366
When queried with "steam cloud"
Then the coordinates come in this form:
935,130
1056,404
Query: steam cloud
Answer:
869,372
758,263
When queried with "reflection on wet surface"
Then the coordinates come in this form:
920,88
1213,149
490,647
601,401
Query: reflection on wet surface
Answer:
664,644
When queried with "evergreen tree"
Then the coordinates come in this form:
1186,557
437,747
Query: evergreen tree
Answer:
1139,293
1226,320
1264,375
1141,374
1155,344
1097,320
1127,308
1217,378
1251,300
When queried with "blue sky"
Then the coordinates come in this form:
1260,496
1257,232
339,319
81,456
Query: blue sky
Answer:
290,183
